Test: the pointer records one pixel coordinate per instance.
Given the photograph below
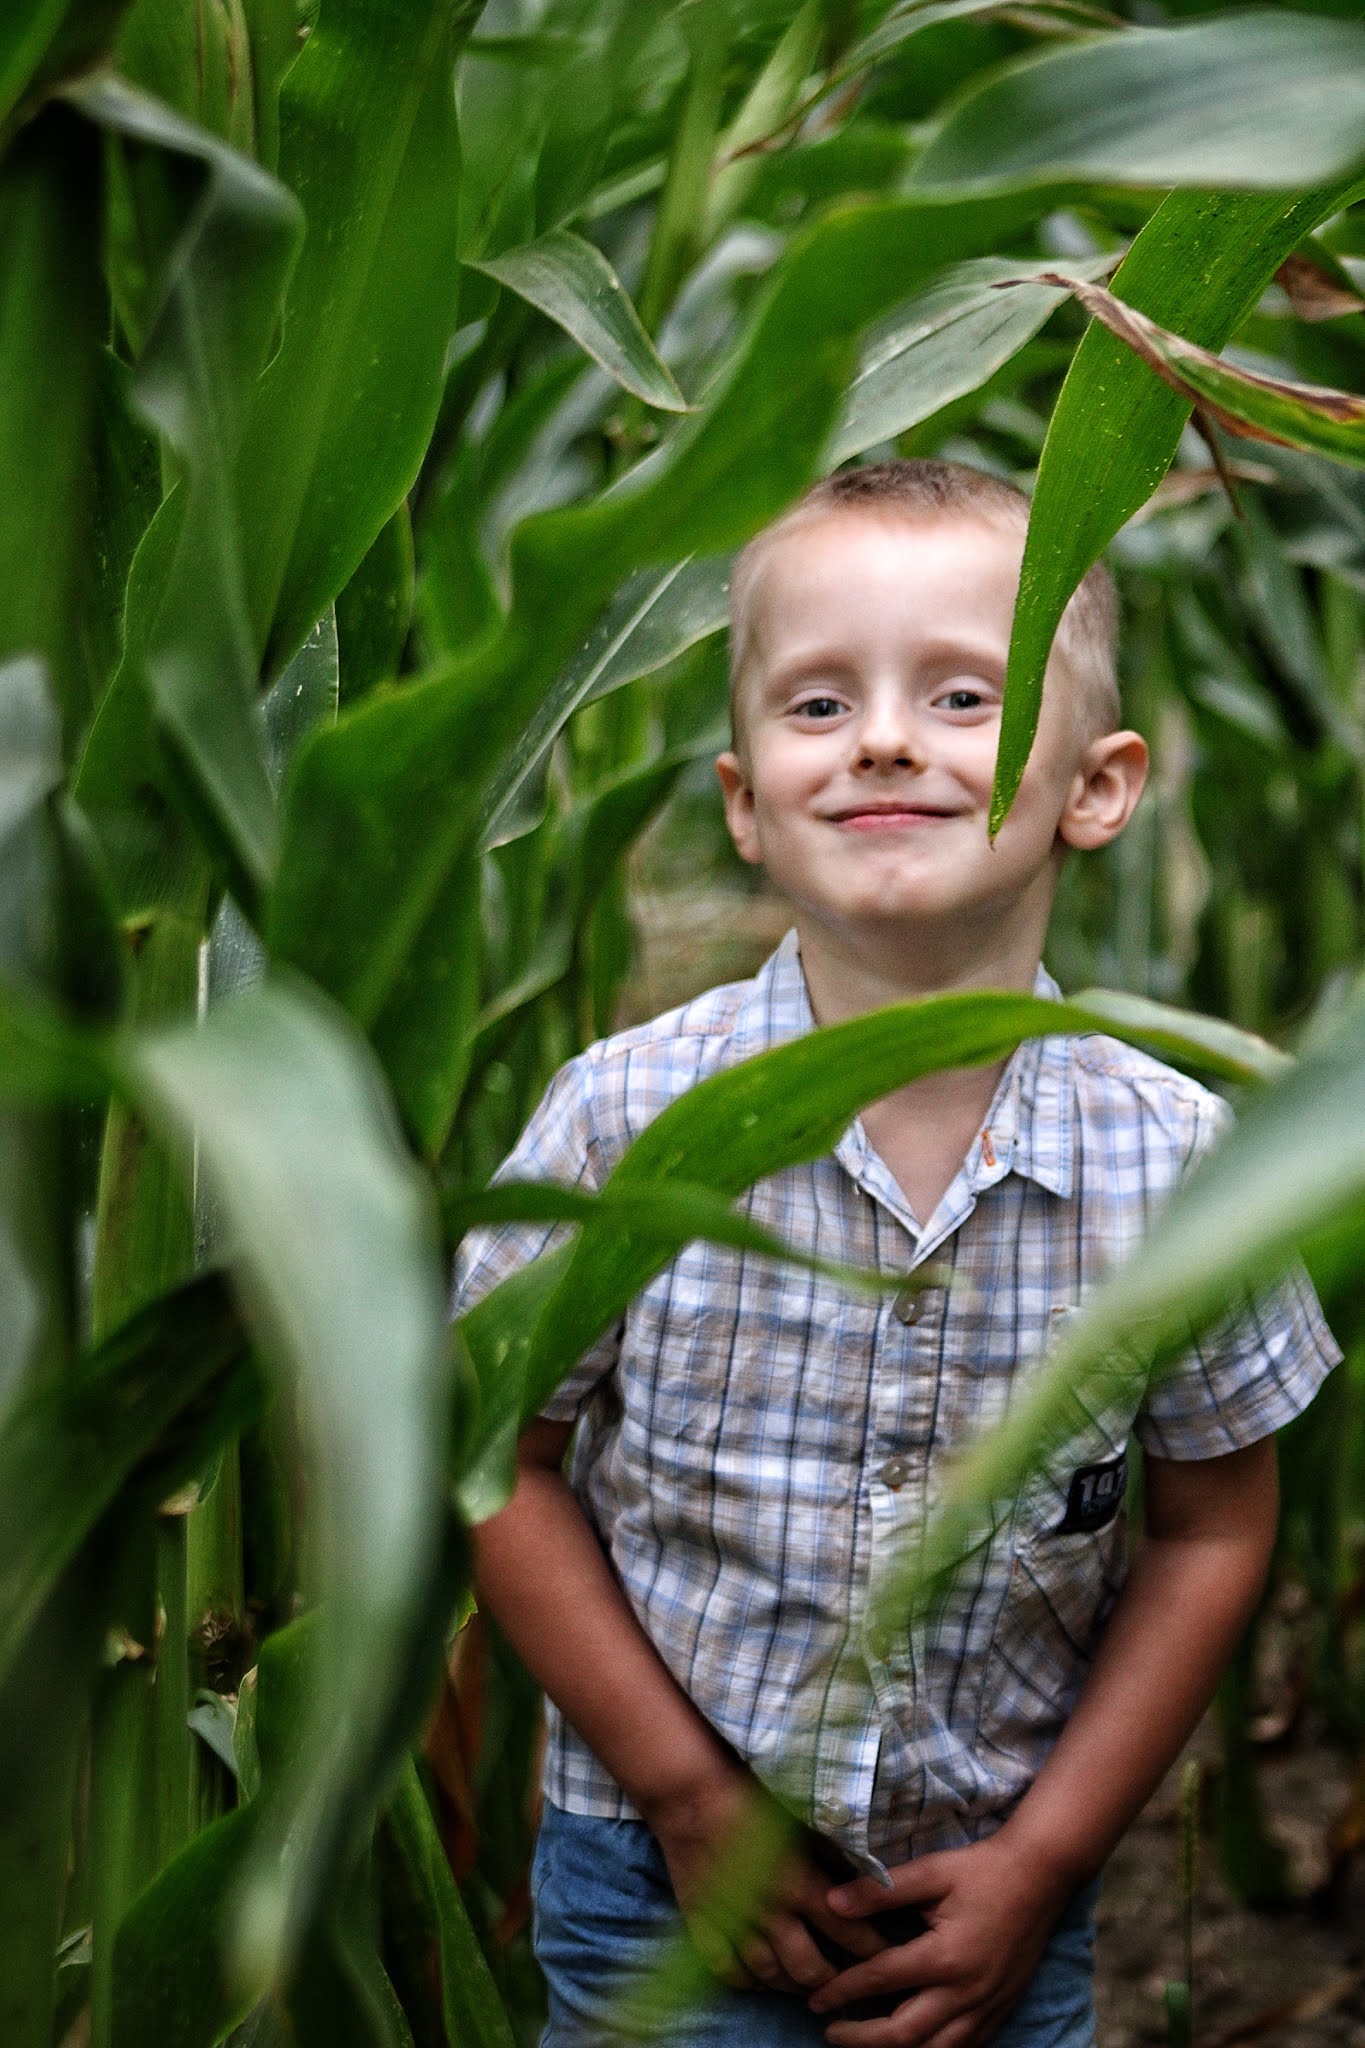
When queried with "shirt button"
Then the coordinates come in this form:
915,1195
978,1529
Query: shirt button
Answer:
832,1813
894,1472
908,1306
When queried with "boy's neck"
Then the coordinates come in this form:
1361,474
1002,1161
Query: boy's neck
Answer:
924,1130
848,974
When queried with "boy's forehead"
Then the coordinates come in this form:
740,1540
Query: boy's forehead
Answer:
946,549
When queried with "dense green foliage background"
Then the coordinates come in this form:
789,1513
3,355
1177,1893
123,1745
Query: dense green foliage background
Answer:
383,387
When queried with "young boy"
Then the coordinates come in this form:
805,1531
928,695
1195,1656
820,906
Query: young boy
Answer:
751,1442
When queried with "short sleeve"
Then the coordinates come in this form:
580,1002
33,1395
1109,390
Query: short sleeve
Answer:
559,1145
1246,1377
1248,1374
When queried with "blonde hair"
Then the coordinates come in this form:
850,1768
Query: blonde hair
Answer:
922,489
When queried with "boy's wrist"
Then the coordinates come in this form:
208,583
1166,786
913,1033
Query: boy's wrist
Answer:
1060,1858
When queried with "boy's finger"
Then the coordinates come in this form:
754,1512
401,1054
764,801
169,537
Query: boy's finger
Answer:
910,1968
914,2024
912,1884
798,1954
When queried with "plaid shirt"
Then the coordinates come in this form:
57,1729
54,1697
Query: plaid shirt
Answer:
754,1444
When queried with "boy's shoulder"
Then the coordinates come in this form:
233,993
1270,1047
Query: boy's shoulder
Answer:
1120,1089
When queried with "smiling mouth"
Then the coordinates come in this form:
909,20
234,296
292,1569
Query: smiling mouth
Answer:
890,817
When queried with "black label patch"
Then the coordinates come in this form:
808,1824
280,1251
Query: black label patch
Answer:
1095,1498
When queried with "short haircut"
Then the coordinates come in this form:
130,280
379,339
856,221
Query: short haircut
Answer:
923,489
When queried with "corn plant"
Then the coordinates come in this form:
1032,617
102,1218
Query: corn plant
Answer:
385,386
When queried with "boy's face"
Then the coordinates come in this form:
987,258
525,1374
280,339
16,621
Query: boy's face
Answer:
869,716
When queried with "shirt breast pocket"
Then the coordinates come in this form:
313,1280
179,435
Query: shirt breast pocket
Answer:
1070,1555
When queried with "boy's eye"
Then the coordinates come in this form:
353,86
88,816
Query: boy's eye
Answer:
820,707
963,698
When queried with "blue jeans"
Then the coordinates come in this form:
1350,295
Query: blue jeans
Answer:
603,1906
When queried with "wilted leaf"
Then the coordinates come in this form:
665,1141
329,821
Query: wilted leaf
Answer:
572,283
1316,285
1245,402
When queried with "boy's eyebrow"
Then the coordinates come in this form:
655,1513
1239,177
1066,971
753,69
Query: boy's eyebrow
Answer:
833,660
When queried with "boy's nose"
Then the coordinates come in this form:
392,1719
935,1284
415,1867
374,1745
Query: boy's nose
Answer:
886,738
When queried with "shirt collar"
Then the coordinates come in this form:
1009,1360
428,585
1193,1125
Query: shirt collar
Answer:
1031,1120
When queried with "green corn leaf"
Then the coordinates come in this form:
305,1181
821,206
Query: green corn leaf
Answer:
29,27
655,616
44,41
572,283
471,2008
42,1059
382,811
374,611
343,415
946,343
784,1106
220,66
1199,266
1245,402
1247,101
588,848
223,235
171,1985
332,1239
51,321
153,1400
770,103
661,1211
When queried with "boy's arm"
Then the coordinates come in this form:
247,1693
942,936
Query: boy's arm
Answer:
542,1573
1196,1577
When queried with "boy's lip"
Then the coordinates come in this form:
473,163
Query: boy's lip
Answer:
868,817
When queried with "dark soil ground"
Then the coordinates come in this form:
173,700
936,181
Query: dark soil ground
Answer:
1249,1966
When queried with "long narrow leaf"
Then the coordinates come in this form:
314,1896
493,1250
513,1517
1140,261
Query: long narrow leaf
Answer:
339,424
1199,266
333,1242
572,283
1247,101
782,1107
220,267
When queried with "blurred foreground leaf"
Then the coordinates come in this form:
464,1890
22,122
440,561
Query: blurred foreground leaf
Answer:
332,1239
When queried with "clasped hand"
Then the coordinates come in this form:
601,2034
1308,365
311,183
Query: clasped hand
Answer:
989,1914
989,1911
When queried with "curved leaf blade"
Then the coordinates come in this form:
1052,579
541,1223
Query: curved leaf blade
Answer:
785,1106
221,269
946,343
342,417
1198,266
1248,101
571,282
382,810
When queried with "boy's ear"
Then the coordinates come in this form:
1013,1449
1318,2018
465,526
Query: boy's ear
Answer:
737,792
1105,792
